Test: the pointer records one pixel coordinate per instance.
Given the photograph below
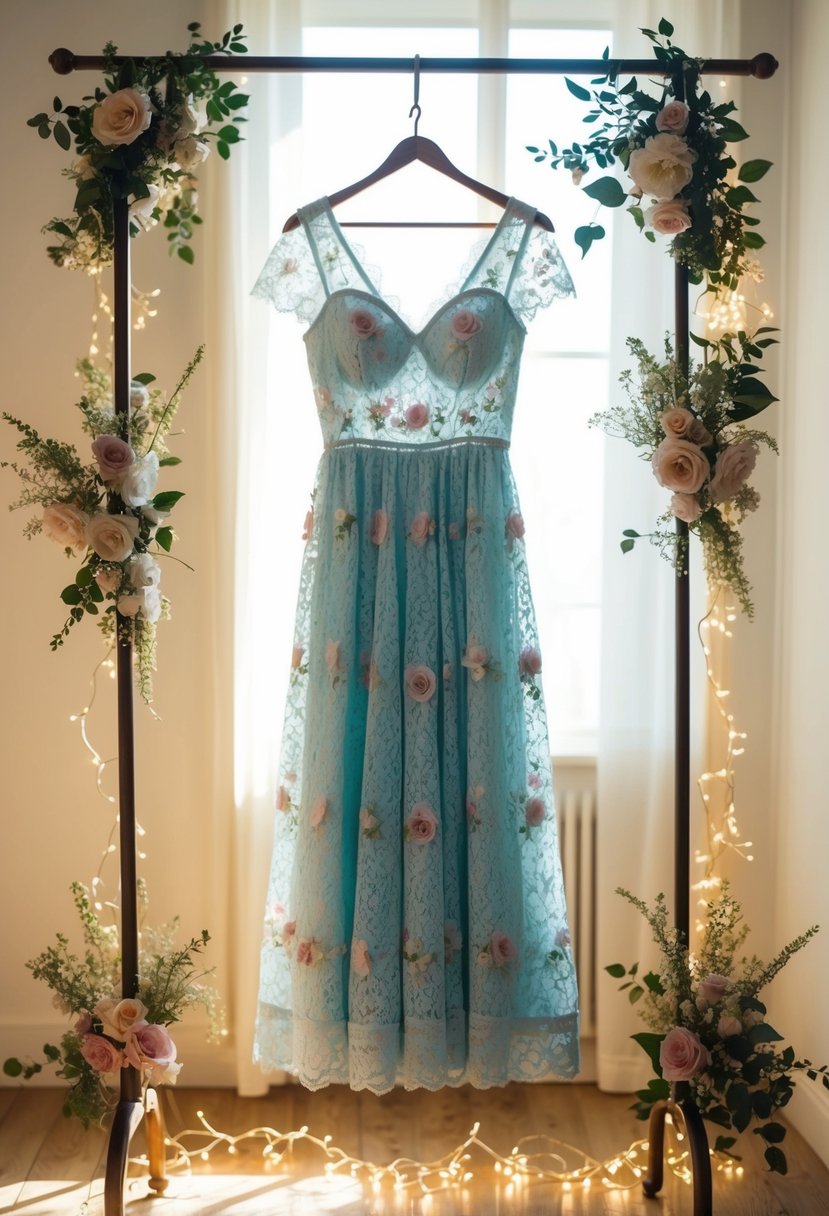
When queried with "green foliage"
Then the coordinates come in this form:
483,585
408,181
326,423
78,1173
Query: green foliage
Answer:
743,1077
185,100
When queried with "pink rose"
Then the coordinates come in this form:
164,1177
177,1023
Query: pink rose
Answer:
113,455
290,266
100,1054
422,823
699,434
677,422
501,949
515,525
416,416
673,117
728,1027
307,952
149,1045
121,117
680,465
534,781
362,322
682,1055
379,527
529,662
108,580
668,217
422,527
686,507
360,958
368,822
465,324
288,933
419,682
475,657
118,1017
563,938
323,396
318,811
332,657
734,466
65,524
535,812
452,940
283,799
713,988
308,527
296,657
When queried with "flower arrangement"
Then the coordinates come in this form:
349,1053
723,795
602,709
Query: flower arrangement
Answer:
107,511
692,429
708,1026
140,138
109,1033
675,150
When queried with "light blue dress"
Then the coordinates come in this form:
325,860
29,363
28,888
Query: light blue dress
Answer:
415,930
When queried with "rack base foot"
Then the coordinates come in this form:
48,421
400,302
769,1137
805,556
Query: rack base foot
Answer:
128,1115
686,1109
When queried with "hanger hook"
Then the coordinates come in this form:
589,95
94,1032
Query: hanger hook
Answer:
416,107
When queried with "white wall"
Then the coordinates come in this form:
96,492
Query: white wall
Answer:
55,826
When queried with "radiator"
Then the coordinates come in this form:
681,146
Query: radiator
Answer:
575,795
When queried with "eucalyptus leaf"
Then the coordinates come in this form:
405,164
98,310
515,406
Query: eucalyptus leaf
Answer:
753,170
577,90
608,191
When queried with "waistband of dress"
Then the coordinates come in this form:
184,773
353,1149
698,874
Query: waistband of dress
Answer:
393,445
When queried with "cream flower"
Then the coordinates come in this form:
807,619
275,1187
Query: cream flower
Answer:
734,466
663,167
121,117
679,465
112,536
65,524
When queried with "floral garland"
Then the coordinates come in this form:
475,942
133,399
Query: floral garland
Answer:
109,1033
141,138
708,1026
675,150
108,510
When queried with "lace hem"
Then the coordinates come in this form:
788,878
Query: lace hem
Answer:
480,1051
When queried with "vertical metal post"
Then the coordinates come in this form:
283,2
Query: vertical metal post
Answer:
128,1112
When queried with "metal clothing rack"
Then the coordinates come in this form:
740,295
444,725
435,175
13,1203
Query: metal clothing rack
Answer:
130,1109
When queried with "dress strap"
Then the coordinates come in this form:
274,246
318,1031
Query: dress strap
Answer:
337,264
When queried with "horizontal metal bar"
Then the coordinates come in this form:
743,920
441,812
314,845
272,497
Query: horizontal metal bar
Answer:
762,66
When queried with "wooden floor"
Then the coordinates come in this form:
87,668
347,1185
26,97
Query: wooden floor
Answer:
48,1165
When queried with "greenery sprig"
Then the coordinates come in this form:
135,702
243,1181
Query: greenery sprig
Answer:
141,137
708,1026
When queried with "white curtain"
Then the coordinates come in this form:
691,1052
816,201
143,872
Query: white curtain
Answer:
272,445
636,733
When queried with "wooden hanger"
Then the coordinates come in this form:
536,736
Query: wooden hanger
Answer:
417,148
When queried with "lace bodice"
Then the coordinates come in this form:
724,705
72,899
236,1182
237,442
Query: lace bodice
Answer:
375,378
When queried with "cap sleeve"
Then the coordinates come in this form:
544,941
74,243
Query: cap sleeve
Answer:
540,277
290,278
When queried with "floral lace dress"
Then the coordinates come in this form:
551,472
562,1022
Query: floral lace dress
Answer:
416,931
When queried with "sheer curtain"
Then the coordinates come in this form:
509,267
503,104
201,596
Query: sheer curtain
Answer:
264,455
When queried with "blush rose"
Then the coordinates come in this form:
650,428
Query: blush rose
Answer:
734,466
680,465
422,823
113,455
502,948
65,524
422,527
100,1054
673,117
465,324
121,117
682,1055
668,217
416,416
535,812
663,167
686,507
112,536
362,323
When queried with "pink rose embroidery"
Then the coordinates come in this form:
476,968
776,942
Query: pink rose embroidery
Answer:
465,325
534,781
332,657
308,952
318,811
502,949
416,416
100,1054
422,824
308,527
682,1055
419,682
515,526
283,799
563,938
422,528
476,659
296,657
529,662
323,396
288,934
379,527
360,958
290,266
362,323
369,823
535,812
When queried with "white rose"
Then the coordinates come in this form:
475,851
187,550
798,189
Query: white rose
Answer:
146,600
112,536
152,604
121,117
65,524
139,396
663,167
144,571
190,152
141,209
138,483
